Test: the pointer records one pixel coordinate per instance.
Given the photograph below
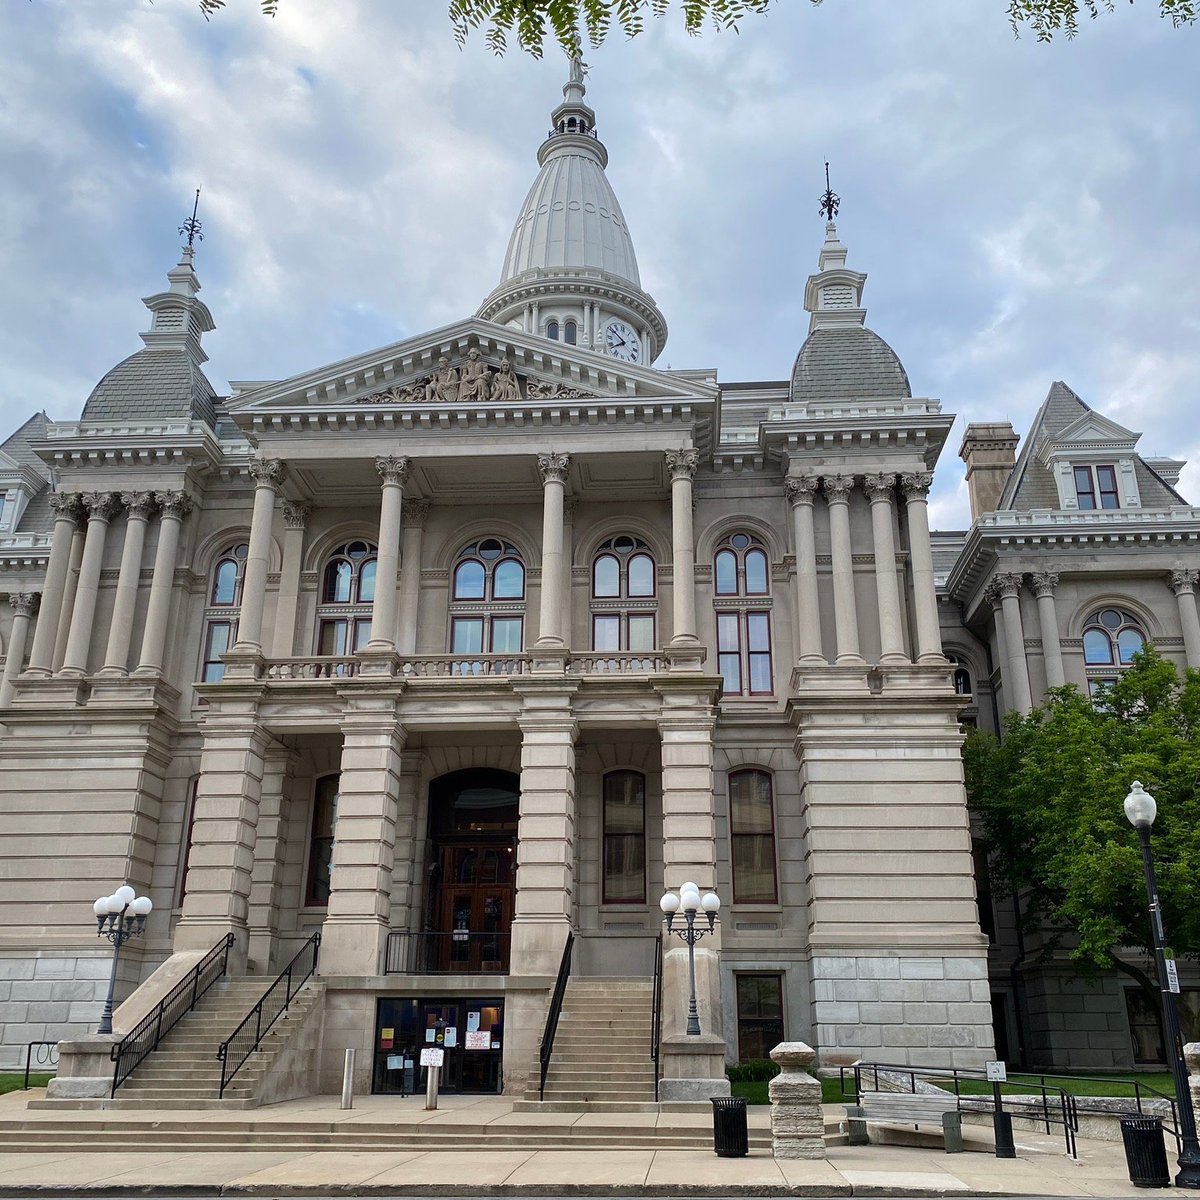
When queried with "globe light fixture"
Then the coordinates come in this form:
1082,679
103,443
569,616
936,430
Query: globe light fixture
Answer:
119,917
691,902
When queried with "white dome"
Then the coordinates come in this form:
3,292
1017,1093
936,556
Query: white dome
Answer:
571,217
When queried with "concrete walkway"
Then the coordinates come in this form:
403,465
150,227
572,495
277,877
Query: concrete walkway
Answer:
1041,1168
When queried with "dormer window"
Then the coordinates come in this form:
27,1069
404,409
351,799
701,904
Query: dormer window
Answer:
1096,487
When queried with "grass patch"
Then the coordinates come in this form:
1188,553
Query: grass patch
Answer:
755,1091
12,1081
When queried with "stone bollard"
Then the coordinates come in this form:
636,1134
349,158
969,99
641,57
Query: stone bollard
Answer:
797,1122
1191,1056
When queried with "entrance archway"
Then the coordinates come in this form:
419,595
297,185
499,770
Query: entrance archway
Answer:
473,835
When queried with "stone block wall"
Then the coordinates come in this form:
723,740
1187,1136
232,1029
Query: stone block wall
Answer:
1077,1021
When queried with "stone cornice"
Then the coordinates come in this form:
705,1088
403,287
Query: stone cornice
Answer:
129,444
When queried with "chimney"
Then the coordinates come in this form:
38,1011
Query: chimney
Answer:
990,452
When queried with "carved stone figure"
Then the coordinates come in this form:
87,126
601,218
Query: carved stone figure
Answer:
442,387
505,388
474,378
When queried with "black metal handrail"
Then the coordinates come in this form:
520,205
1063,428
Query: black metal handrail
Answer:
656,1009
272,1004
47,1056
546,1049
144,1038
425,952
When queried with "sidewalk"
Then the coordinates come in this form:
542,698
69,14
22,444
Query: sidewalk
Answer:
1041,1167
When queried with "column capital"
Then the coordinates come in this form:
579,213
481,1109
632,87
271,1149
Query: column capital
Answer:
553,467
392,468
415,512
880,487
800,489
101,505
570,508
267,472
138,505
24,604
174,504
1004,585
66,505
1184,579
295,516
1044,583
837,488
916,484
682,464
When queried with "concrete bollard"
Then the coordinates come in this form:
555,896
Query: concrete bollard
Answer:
1191,1056
797,1122
348,1081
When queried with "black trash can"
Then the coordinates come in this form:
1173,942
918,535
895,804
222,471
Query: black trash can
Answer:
1145,1151
730,1139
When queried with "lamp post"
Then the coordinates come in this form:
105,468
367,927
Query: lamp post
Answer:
690,900
119,917
1141,810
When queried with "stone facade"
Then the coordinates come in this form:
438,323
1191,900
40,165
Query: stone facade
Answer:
694,629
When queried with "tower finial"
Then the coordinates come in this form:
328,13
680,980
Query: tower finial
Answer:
192,226
830,201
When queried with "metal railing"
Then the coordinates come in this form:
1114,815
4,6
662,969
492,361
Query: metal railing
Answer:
144,1038
273,1004
47,1056
546,1049
656,1010
460,952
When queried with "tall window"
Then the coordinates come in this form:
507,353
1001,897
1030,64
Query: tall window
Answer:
759,1015
347,592
742,583
320,841
624,600
1111,637
221,615
1096,487
752,837
624,838
570,333
552,330
487,599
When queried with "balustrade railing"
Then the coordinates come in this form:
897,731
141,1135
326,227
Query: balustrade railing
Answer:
462,666
438,666
605,663
319,667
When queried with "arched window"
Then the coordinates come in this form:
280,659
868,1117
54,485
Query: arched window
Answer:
487,599
624,838
552,330
347,592
221,615
570,333
1111,637
752,837
742,587
963,685
320,841
624,596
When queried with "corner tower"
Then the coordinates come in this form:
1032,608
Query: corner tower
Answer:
570,272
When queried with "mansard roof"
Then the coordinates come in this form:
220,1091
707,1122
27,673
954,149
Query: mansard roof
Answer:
153,384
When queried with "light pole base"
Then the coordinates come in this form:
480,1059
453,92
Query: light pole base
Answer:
693,1068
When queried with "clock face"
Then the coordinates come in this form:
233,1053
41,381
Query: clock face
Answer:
622,342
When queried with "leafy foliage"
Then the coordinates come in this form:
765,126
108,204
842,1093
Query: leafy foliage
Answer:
1049,797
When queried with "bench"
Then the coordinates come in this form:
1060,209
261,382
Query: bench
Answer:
905,1108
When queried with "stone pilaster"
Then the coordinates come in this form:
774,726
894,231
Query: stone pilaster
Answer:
845,607
406,900
24,605
41,654
1183,584
138,506
916,485
681,466
295,522
880,490
1006,587
172,507
100,509
416,512
801,491
266,875
1044,583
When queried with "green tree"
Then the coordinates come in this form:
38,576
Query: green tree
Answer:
531,22
1049,798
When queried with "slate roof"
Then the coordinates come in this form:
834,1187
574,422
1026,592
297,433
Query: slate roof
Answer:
1031,486
152,385
19,447
847,364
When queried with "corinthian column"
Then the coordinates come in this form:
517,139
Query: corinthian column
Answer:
682,466
1183,584
845,609
411,537
1007,587
916,498
295,521
67,607
881,488
800,491
172,507
41,655
1044,583
24,605
267,474
100,508
138,506
553,469
393,471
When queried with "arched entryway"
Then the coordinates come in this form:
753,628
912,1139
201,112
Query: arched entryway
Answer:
473,835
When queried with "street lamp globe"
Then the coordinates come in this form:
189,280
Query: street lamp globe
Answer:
669,903
141,906
125,894
711,903
1140,807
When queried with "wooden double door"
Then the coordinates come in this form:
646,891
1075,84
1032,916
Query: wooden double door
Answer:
473,909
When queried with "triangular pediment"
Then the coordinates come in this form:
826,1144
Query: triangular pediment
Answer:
1092,429
471,363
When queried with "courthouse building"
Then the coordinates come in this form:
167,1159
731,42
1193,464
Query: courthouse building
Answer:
461,644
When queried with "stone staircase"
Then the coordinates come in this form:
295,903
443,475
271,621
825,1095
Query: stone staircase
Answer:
184,1073
601,1060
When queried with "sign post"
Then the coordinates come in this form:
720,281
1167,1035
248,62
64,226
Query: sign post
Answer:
997,1073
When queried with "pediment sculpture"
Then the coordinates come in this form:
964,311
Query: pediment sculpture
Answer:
473,381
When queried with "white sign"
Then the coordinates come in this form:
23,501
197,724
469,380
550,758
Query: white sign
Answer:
997,1072
395,1062
451,1037
479,1039
432,1057
1172,976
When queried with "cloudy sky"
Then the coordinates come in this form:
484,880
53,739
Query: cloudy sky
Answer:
1025,212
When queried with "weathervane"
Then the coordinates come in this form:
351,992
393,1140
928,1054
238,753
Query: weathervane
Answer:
191,226
829,201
